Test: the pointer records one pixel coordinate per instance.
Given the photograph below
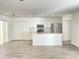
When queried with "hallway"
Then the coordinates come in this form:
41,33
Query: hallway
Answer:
24,50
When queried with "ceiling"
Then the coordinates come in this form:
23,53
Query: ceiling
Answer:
37,7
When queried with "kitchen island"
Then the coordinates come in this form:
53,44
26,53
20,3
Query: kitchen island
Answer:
47,39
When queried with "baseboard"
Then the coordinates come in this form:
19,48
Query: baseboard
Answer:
21,40
74,44
67,42
5,42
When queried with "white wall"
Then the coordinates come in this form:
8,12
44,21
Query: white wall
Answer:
22,26
10,28
75,29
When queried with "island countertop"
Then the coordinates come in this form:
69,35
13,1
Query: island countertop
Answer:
47,39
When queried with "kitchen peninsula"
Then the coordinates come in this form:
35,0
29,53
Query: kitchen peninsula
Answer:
47,39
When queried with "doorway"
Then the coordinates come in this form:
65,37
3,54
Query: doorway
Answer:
3,32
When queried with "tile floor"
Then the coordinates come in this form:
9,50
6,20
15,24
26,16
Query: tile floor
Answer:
25,50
